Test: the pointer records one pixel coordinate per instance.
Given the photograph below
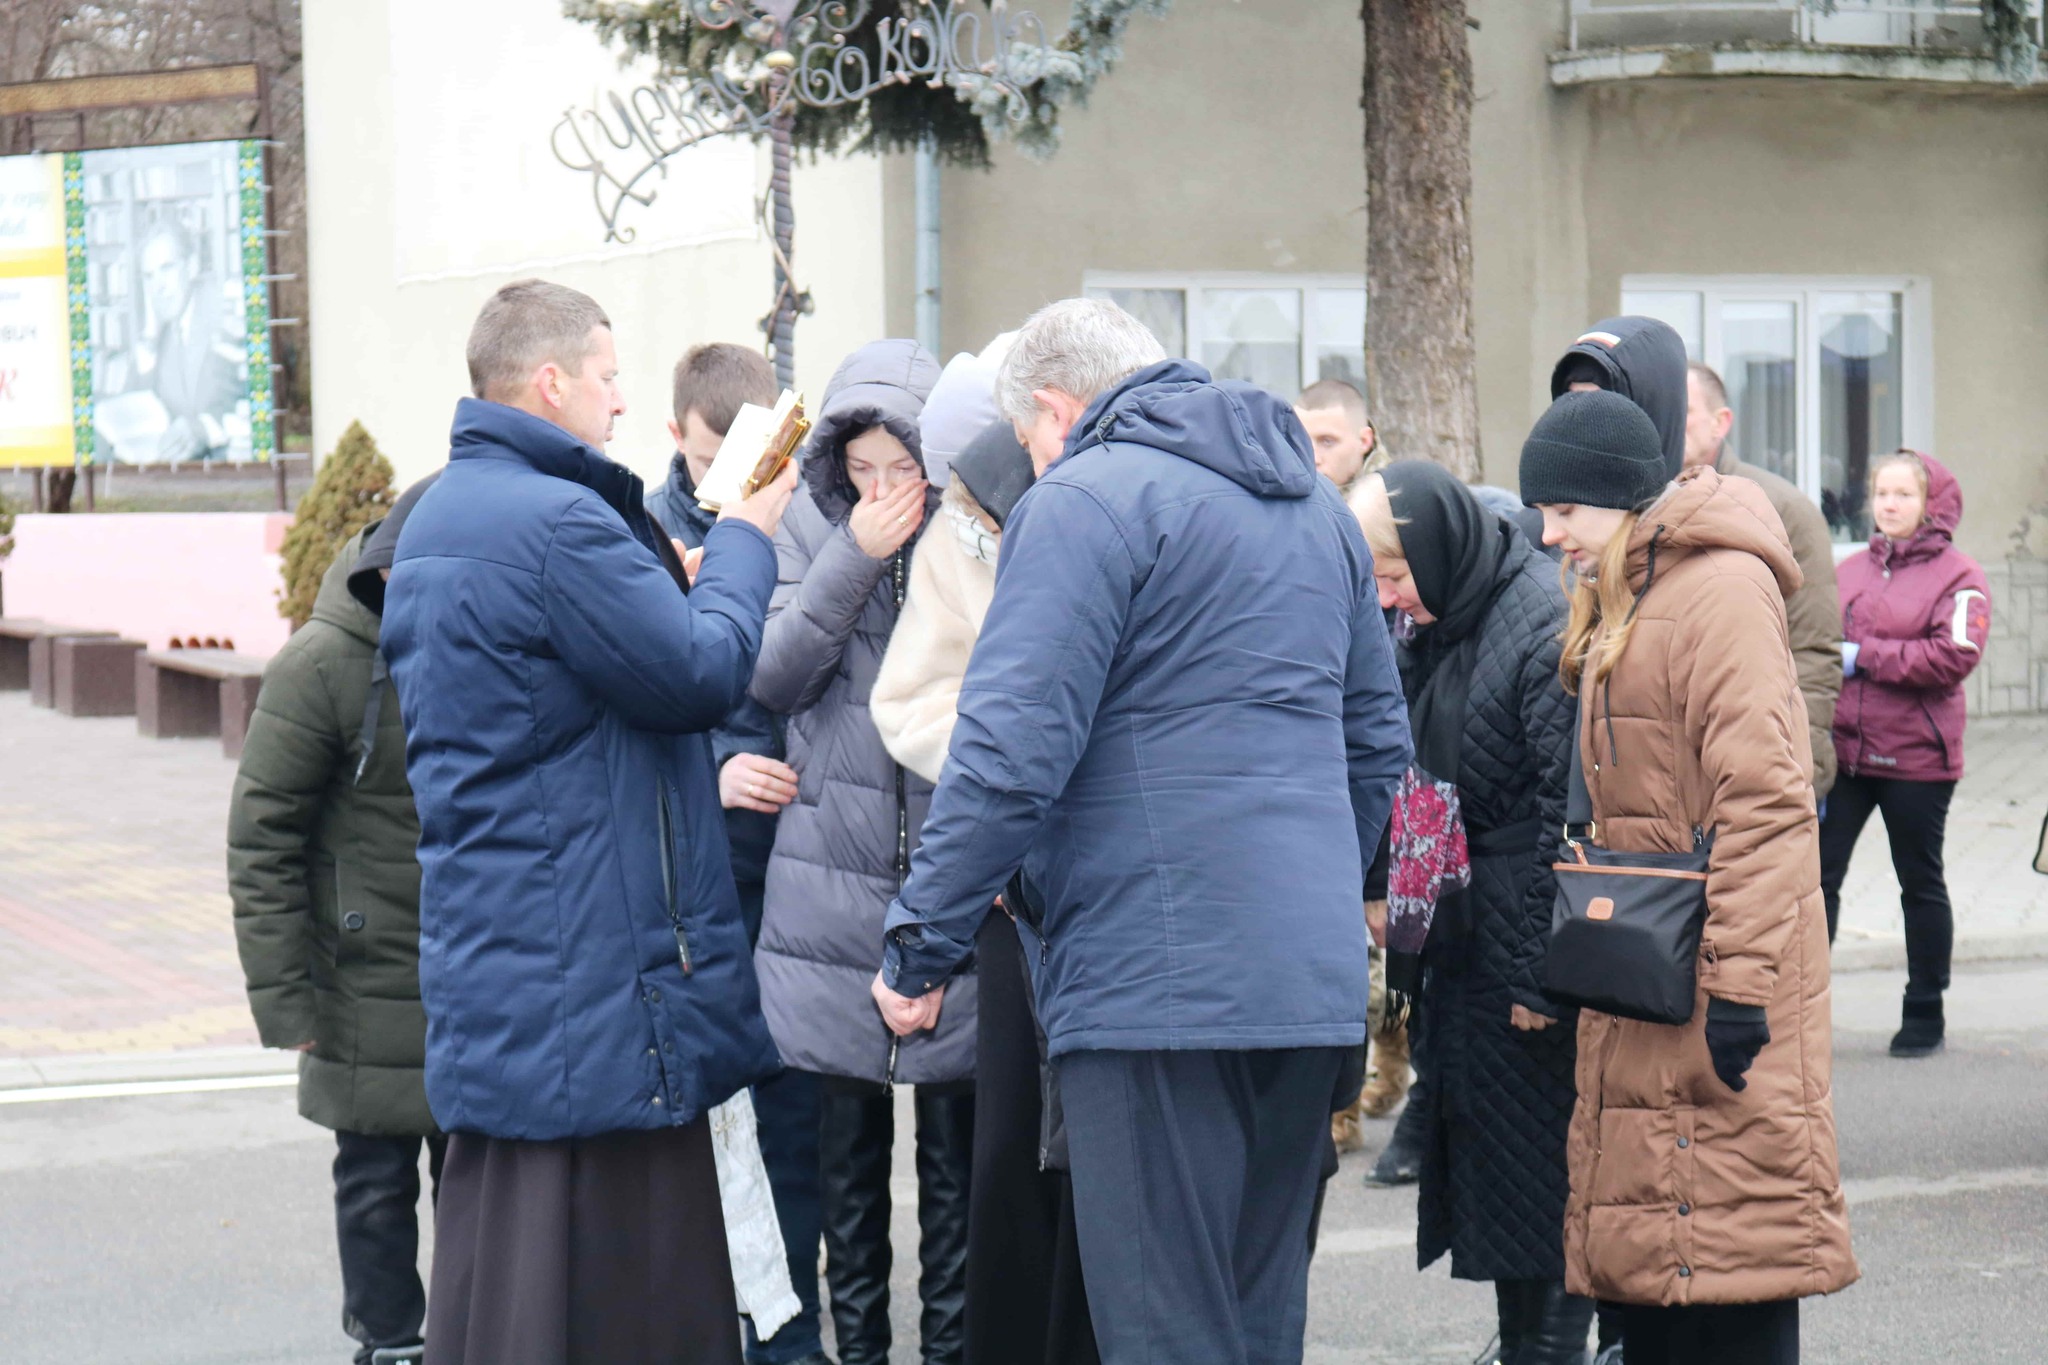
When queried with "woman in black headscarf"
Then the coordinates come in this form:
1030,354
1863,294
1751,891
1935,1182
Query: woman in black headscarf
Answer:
1479,616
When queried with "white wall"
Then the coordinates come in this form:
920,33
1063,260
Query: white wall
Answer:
430,183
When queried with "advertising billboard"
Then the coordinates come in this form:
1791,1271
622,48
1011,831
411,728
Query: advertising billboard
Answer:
134,312
35,334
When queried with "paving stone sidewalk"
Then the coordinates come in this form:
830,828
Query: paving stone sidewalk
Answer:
115,934
114,917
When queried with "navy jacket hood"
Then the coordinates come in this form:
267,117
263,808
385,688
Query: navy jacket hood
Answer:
1644,361
1239,430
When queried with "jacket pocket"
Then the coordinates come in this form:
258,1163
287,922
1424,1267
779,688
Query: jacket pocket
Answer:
1934,729
350,923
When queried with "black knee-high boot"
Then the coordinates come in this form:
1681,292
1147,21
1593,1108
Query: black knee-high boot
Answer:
945,1150
855,1133
1557,1324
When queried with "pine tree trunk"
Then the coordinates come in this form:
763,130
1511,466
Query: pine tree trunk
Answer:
1418,257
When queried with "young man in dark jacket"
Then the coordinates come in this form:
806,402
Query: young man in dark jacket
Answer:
754,784
1182,718
589,990
326,890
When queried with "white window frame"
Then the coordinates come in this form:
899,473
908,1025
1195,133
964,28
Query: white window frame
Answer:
1191,283
1916,339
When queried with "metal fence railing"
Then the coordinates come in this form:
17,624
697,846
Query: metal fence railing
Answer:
269,485
1925,24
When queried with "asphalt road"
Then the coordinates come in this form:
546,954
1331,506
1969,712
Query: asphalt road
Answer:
196,1229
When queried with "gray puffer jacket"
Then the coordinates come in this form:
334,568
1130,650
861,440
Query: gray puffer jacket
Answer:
842,848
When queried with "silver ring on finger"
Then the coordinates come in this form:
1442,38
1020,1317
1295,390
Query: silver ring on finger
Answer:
903,521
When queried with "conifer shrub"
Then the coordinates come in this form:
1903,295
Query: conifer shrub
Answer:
351,490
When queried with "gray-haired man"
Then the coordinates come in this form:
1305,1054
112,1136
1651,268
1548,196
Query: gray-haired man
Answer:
1182,718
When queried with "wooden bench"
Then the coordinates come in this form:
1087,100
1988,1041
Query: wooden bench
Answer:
93,675
196,692
42,670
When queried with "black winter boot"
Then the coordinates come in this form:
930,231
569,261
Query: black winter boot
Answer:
1921,1031
1557,1326
1401,1162
945,1151
855,1133
1511,1308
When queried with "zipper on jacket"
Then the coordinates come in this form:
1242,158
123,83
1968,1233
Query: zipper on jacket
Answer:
668,879
902,786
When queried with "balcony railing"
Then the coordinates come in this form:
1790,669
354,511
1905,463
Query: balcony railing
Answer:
1945,26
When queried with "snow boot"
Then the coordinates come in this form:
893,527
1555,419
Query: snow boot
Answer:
1921,1031
1401,1162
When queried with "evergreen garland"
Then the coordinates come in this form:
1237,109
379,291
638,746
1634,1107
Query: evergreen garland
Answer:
961,121
351,490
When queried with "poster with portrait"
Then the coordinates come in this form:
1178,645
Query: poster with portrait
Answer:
154,346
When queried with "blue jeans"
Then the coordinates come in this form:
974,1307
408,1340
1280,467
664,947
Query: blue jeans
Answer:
786,1114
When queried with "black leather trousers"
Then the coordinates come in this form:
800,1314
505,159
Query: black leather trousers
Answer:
856,1131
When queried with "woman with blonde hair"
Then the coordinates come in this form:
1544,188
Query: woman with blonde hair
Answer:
1915,615
1705,1194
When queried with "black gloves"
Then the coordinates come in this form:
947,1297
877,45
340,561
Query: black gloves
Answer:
1735,1034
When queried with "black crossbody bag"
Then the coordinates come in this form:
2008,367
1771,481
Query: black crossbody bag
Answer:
1625,935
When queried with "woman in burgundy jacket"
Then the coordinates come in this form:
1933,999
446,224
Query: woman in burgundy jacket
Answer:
1915,613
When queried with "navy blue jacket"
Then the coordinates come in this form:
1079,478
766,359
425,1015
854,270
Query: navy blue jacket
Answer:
582,959
1182,717
752,728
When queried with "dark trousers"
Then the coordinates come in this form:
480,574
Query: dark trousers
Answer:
1194,1176
1915,821
1712,1334
856,1133
376,1219
1026,1304
786,1117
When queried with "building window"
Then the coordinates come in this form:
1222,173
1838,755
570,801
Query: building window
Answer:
1281,332
1822,373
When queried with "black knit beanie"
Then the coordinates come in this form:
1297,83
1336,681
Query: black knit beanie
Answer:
1594,449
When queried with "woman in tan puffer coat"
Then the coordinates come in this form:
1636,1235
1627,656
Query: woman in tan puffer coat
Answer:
1705,1193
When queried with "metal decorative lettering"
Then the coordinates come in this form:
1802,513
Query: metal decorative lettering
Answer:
624,141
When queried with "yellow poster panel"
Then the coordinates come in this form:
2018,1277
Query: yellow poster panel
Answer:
35,336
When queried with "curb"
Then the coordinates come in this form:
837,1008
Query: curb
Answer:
105,1068
1889,954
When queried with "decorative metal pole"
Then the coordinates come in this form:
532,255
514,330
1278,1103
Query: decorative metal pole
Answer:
780,324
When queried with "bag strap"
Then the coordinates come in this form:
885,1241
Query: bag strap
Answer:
1578,802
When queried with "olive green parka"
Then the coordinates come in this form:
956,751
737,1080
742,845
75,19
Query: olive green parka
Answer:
323,871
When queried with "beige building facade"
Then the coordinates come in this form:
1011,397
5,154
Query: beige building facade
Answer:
1843,214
